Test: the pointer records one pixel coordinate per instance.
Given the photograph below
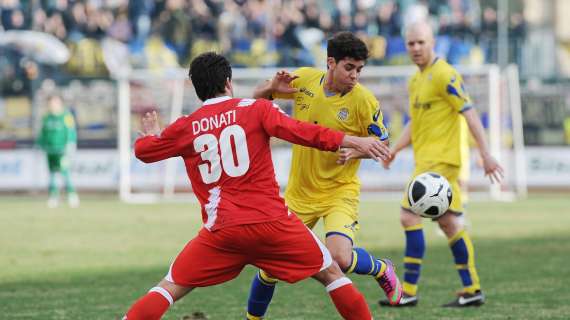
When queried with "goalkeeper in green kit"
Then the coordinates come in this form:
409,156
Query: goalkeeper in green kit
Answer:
58,138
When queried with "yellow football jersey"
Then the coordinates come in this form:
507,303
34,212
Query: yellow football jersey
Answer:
315,178
437,97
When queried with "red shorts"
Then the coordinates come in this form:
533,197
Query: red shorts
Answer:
284,248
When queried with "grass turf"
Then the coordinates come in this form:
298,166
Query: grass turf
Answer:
93,262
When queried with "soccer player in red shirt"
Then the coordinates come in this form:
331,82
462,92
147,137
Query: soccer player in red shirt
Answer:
225,147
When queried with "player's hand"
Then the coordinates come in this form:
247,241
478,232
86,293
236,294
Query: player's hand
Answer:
386,163
492,169
369,146
150,124
345,154
281,82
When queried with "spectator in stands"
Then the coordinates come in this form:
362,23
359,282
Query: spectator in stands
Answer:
388,20
176,29
517,35
488,36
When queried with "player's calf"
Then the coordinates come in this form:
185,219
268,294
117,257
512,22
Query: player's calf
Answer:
349,302
156,302
382,270
151,306
260,295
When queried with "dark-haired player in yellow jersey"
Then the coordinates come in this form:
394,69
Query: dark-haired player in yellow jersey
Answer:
319,185
437,102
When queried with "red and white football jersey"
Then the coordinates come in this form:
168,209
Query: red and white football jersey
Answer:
225,147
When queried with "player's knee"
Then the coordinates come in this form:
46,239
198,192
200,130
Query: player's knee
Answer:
330,274
449,225
343,259
408,219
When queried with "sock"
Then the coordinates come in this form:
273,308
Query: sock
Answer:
464,255
67,180
260,294
151,306
52,189
364,263
415,249
349,302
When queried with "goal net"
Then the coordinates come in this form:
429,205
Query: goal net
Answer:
495,94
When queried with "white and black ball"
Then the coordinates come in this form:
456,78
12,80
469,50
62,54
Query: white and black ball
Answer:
429,195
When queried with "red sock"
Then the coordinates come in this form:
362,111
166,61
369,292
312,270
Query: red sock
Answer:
348,300
151,306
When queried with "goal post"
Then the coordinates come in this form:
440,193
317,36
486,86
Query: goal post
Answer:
143,91
495,93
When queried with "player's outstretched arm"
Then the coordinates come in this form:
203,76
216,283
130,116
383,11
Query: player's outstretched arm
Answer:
345,154
278,124
492,168
369,147
154,145
281,83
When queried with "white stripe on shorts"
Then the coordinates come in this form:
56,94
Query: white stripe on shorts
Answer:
168,276
327,258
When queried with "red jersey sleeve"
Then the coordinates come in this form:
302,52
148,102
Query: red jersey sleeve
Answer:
172,142
278,124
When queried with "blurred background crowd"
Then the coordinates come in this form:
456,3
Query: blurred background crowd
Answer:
107,38
257,33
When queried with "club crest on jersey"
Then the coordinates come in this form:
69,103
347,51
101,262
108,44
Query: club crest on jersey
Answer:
342,114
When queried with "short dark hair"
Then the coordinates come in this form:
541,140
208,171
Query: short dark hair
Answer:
54,95
346,45
209,73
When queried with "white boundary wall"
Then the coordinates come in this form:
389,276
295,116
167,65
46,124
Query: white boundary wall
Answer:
26,170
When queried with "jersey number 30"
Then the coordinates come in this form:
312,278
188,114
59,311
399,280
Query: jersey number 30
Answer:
219,154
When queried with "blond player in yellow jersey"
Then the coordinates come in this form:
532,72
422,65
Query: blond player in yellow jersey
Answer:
320,185
464,171
437,102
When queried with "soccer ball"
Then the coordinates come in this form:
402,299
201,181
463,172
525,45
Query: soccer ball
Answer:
429,195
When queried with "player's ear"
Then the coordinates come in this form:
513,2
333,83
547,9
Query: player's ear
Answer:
229,87
331,62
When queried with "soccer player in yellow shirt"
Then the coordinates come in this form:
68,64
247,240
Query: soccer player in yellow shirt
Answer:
321,186
437,102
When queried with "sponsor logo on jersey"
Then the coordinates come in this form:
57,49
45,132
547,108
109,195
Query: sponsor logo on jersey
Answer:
343,114
352,226
418,104
307,92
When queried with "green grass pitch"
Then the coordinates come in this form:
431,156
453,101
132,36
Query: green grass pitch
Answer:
93,262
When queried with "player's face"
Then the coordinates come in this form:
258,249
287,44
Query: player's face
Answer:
55,105
345,73
420,43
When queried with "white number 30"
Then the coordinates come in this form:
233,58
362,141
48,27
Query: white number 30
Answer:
233,166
